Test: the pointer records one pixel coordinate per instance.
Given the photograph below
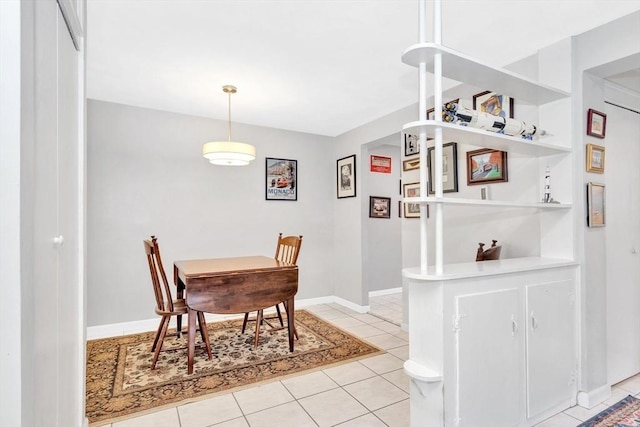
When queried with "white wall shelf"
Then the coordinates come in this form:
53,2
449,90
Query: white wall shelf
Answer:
484,138
488,203
462,68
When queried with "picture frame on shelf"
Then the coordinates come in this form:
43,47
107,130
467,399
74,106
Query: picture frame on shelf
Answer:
486,166
595,205
596,123
449,168
411,144
346,177
431,111
411,164
595,158
379,207
411,210
494,104
281,179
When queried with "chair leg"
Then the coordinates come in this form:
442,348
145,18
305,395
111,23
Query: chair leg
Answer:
204,332
179,325
279,315
244,322
165,326
258,322
155,340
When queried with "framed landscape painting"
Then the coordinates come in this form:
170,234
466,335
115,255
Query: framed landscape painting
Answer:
486,166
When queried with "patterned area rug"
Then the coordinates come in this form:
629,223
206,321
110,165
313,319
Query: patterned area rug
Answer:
625,413
121,384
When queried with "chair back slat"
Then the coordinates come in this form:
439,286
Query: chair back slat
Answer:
288,248
161,290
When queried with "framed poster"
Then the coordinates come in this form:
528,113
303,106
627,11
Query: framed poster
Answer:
596,123
596,205
411,164
281,179
379,207
411,145
380,164
412,210
494,104
486,166
449,168
595,158
346,176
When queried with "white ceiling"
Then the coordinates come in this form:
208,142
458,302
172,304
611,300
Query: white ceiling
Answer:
317,66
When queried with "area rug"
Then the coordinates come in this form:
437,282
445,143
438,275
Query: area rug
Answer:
121,384
625,413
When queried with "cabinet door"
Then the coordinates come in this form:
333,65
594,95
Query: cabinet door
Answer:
550,345
489,359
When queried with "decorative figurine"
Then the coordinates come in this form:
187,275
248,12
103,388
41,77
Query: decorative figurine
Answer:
492,253
455,113
547,187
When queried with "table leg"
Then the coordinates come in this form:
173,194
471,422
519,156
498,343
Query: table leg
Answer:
191,339
290,322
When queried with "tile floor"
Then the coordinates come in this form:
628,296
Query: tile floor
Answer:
372,392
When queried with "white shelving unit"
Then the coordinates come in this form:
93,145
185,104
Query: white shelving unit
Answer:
500,304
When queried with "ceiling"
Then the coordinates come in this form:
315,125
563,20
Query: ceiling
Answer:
316,66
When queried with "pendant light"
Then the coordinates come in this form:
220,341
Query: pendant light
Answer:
229,153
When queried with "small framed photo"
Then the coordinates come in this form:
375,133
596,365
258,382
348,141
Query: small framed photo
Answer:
595,158
346,176
411,145
431,111
449,168
596,205
281,179
411,210
411,164
494,104
379,207
596,123
380,164
486,166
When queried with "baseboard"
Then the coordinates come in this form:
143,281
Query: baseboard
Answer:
589,399
150,325
385,292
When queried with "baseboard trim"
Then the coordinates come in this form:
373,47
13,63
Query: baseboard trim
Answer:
150,325
589,399
385,292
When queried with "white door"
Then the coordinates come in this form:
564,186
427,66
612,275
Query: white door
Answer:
489,358
623,242
550,361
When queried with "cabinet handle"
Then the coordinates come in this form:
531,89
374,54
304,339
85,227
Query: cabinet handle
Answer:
534,321
514,326
58,241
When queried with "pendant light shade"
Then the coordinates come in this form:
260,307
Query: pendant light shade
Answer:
229,153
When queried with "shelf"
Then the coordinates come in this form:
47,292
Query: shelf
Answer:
483,138
477,202
460,67
487,268
420,372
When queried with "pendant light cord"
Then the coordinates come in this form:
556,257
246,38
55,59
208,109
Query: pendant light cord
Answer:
229,122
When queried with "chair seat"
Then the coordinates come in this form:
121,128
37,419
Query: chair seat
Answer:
179,307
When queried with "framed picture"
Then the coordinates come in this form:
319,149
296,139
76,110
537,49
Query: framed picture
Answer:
449,168
431,111
380,164
494,104
595,158
411,145
411,210
411,164
281,179
596,205
596,123
379,207
346,176
486,166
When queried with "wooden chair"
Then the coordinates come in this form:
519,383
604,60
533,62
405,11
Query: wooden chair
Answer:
287,250
166,306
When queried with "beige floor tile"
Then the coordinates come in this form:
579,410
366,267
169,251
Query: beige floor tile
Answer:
368,420
396,415
583,414
559,420
631,385
166,418
236,422
386,341
617,394
330,314
387,327
349,373
203,413
306,385
262,397
289,414
347,322
400,352
376,393
332,407
382,363
365,331
366,318
399,378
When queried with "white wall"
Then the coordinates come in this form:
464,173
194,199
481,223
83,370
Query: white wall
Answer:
146,175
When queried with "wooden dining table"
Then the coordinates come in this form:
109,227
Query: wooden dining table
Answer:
232,286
